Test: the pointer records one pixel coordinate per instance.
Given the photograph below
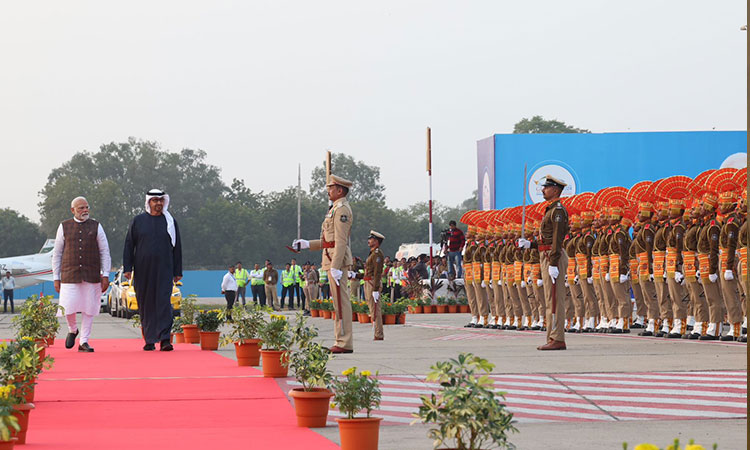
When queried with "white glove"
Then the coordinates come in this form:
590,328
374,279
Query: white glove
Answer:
623,278
606,276
575,280
523,284
590,280
566,284
678,277
300,244
553,272
484,284
728,275
712,277
523,243
651,277
376,296
499,282
698,274
665,275
336,275
539,282
352,275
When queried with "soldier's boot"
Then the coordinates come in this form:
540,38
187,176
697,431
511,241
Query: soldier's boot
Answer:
627,322
576,327
525,325
664,330
639,322
734,332
679,327
611,326
544,323
491,323
482,322
690,323
473,323
498,322
744,327
536,324
506,323
650,328
619,326
514,325
699,328
713,332
602,324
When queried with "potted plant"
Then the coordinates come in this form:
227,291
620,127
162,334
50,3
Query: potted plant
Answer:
455,289
8,419
309,363
363,312
463,305
51,325
389,313
177,334
245,328
452,305
20,364
32,320
326,308
188,310
315,308
400,307
135,322
442,305
209,321
467,411
352,394
277,338
427,306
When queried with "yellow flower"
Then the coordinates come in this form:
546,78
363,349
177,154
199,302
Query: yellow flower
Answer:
646,447
333,405
26,338
366,373
348,371
694,447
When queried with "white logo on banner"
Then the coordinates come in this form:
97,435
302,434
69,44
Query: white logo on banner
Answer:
559,172
735,161
486,191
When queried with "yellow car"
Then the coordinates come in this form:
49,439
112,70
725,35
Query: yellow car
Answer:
123,302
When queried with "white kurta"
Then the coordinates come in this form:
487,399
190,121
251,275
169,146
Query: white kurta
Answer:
80,297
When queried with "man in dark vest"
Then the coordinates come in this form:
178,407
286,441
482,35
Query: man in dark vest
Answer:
80,270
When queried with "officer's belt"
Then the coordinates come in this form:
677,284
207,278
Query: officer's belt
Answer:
544,248
326,244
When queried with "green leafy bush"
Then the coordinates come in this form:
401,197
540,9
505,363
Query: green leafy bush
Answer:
356,392
209,320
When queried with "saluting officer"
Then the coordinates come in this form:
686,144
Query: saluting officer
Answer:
337,258
554,261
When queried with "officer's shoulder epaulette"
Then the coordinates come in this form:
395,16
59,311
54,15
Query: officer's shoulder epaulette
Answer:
713,222
730,220
647,227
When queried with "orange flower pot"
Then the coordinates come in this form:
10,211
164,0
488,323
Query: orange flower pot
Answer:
389,319
272,365
26,387
8,445
179,338
22,413
411,309
418,309
248,352
452,308
311,406
210,340
327,314
192,336
50,341
354,317
314,313
401,319
359,434
463,309
428,309
364,318
441,309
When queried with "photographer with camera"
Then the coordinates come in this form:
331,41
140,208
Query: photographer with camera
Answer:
456,242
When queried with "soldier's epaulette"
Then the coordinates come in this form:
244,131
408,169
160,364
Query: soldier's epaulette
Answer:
713,222
730,220
609,231
647,226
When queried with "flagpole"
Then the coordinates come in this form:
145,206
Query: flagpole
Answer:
299,201
429,176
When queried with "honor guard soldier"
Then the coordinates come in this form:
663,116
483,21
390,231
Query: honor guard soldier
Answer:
371,276
583,263
708,265
337,258
554,261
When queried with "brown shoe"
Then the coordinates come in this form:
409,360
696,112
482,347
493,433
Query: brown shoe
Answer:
336,349
553,345
377,339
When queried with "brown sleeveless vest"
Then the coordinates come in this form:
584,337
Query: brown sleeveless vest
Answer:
80,258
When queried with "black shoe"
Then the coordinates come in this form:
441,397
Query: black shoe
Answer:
149,347
646,333
693,336
660,334
637,325
689,327
85,348
469,325
727,338
742,338
306,314
615,330
674,336
165,346
708,337
70,341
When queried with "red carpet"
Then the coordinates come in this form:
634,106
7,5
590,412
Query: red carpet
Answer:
121,397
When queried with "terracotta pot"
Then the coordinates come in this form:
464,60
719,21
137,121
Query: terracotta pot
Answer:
192,336
411,309
419,309
359,434
314,313
248,353
463,309
272,366
210,340
311,407
389,319
50,341
8,445
22,413
452,308
333,315
364,318
401,319
441,309
179,338
327,314
42,353
26,387
428,309
354,317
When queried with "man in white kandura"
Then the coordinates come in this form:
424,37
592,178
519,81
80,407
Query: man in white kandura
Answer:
80,270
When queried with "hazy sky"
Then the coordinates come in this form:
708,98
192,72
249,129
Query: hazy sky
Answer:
262,86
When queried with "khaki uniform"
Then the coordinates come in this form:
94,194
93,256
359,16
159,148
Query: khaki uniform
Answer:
553,230
497,290
583,264
698,302
659,263
480,293
675,236
509,276
373,272
742,265
520,283
727,248
312,277
644,244
610,299
635,282
619,246
536,274
270,280
487,278
334,242
575,307
596,274
468,257
708,260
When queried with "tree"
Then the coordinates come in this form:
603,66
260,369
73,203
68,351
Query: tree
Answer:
538,124
18,234
366,179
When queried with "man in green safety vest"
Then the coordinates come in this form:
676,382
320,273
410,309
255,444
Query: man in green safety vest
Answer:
297,272
287,286
325,289
257,285
241,276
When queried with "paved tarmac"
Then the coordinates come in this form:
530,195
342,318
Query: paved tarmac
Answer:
409,351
